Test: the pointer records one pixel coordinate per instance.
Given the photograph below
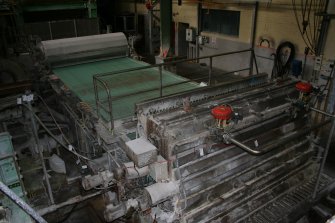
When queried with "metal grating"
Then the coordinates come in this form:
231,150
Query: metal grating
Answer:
277,211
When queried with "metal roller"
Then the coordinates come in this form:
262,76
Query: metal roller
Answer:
78,50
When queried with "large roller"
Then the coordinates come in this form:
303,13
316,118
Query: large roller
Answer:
85,49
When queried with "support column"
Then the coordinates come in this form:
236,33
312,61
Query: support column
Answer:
166,21
253,38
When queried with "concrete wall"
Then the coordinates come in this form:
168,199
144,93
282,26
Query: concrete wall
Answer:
129,6
330,43
187,13
276,22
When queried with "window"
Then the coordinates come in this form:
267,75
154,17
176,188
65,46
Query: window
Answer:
221,21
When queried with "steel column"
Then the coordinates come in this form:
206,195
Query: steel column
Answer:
166,19
210,71
160,81
40,152
252,41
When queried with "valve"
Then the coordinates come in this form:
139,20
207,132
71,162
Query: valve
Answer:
222,115
304,89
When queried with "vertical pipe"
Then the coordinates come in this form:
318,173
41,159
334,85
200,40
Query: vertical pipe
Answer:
254,60
331,133
50,31
197,51
110,107
96,95
75,28
166,25
323,35
253,37
125,27
136,16
210,71
36,137
161,81
23,205
321,42
151,48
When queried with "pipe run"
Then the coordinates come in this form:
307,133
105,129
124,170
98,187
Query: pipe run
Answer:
71,201
23,205
322,112
274,144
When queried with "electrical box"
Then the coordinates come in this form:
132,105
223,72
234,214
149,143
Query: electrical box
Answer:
324,68
159,169
9,175
141,152
190,35
203,39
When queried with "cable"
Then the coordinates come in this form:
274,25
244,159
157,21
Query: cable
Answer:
49,110
55,138
309,20
60,129
307,42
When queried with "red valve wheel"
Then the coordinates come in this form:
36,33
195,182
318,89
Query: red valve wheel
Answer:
222,112
304,87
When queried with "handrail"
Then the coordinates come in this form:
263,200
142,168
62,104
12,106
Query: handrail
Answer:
105,85
173,62
170,85
21,203
98,80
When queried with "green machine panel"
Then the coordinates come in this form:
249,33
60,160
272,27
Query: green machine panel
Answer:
9,175
79,79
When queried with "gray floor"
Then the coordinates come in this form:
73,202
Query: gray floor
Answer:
200,73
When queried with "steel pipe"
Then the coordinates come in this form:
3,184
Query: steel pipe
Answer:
245,147
274,144
23,205
322,112
71,201
160,81
210,71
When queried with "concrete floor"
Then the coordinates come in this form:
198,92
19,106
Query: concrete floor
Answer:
200,72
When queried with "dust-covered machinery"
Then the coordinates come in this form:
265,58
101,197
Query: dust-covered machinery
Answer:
240,151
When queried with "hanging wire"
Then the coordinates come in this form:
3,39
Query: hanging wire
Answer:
55,138
308,18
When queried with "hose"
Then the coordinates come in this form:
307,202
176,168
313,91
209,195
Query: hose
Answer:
282,62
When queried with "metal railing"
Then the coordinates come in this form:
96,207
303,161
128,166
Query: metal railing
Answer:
98,81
